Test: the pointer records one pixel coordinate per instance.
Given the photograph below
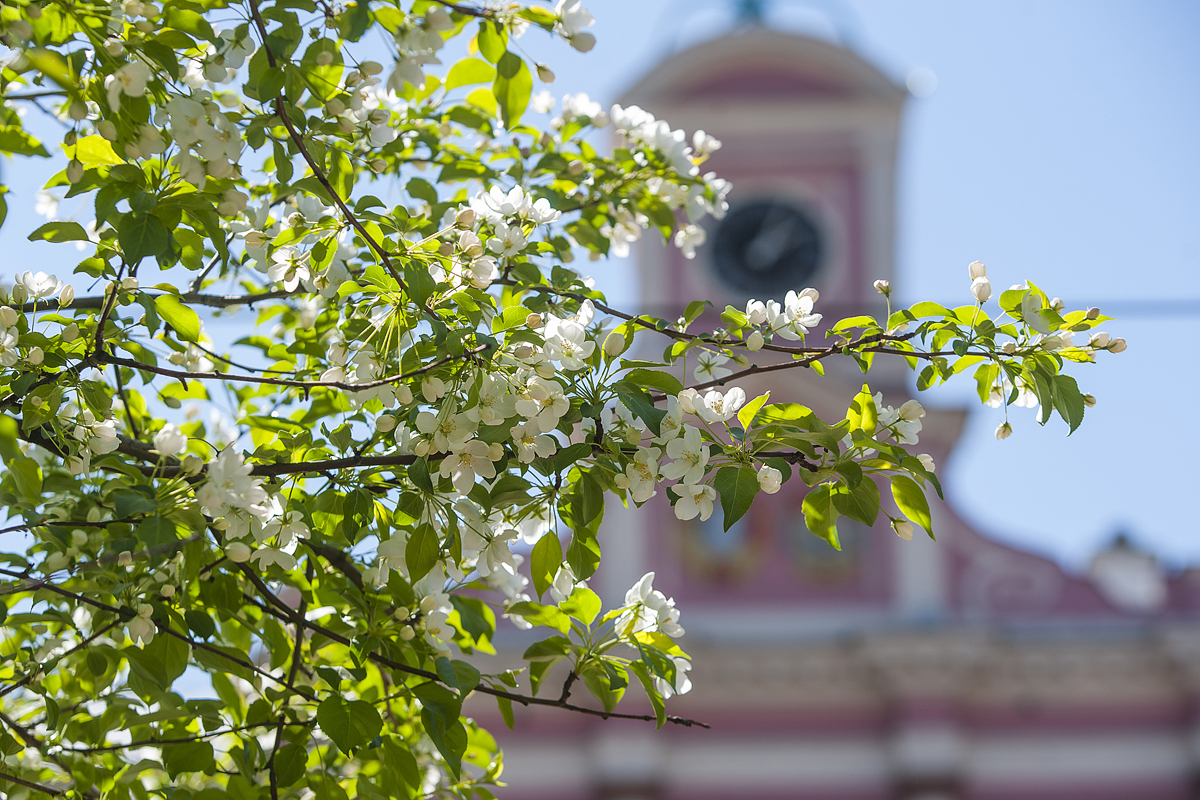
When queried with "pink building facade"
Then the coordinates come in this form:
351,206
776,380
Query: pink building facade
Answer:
890,670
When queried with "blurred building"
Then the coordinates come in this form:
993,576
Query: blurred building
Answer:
892,669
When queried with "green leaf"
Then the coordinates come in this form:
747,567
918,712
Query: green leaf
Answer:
28,477
509,318
655,379
458,675
639,402
538,614
860,503
440,709
156,530
545,562
189,757
643,676
512,88
59,232
583,554
469,71
1068,400
422,551
505,706
750,410
181,318
492,40
737,487
200,623
134,501
141,235
862,413
911,501
160,662
349,723
290,763
189,22
583,604
96,151
820,515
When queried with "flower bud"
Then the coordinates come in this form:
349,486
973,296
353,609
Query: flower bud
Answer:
1008,348
378,165
614,345
583,41
883,287
904,529
167,590
1099,340
534,320
79,537
465,218
1089,400
129,284
114,47
1116,346
575,168
688,399
238,552
370,68
192,465
36,356
66,296
8,316
741,360
107,129
335,107
77,110
75,171
1093,313
545,74
754,342
1003,432
1057,305
976,269
385,423
70,138
981,289
125,559
407,633
70,333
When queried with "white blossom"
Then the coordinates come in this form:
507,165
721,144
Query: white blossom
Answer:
693,500
691,456
769,479
719,407
170,440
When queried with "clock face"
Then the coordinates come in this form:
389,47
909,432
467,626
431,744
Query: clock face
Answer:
767,247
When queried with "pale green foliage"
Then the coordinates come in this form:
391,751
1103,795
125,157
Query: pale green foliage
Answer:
422,386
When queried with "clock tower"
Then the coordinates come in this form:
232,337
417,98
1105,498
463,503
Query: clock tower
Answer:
809,134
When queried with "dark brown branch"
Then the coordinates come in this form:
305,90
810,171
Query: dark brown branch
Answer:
190,298
339,560
184,375
37,787
185,739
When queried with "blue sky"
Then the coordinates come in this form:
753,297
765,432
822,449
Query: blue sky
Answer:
1060,145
